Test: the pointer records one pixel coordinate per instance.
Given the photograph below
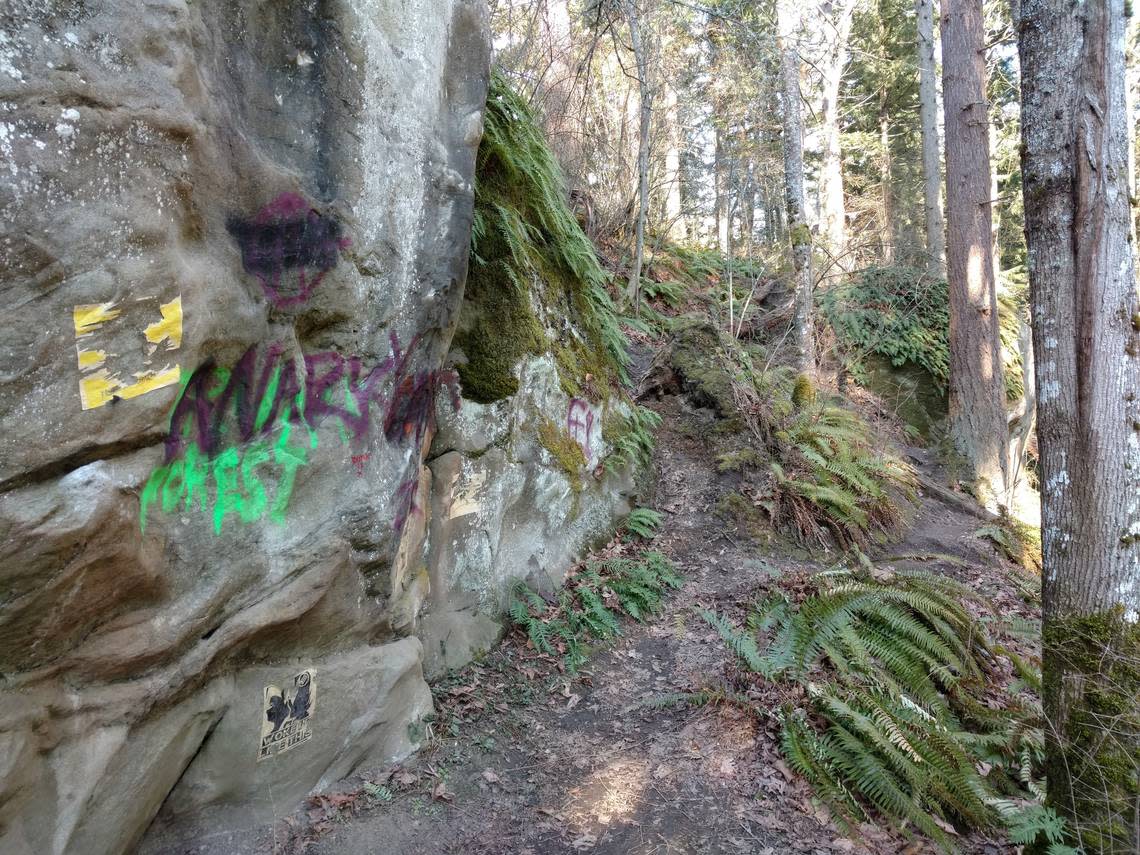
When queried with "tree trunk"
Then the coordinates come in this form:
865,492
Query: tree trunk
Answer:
833,209
977,392
798,231
557,90
720,188
646,96
931,148
1086,328
674,211
885,188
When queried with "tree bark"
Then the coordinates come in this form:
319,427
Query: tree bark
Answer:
674,211
977,392
887,232
720,189
931,147
1086,328
798,231
645,94
833,209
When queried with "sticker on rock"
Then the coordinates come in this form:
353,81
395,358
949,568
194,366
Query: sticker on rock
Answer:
287,715
122,348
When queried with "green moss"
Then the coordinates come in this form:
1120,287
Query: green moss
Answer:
497,328
1092,683
800,235
527,246
565,450
739,461
583,370
736,506
694,357
803,392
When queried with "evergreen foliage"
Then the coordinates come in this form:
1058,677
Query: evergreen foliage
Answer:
827,473
895,671
643,522
903,314
834,477
631,436
590,604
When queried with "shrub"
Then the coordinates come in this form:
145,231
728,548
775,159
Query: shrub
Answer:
903,314
591,602
894,669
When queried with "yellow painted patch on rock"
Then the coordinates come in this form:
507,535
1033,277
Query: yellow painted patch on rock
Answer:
88,318
98,389
90,359
169,329
100,384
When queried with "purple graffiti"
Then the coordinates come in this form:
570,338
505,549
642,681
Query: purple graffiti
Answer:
580,425
219,408
406,504
411,411
288,235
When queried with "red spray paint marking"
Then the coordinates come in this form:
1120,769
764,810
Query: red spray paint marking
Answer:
580,425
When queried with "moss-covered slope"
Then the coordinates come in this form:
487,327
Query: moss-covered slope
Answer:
535,284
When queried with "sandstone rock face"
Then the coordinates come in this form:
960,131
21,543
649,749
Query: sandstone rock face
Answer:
505,507
234,240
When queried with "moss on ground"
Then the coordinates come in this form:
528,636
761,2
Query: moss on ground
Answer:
739,461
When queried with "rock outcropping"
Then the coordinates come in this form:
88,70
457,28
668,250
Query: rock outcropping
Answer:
235,240
240,475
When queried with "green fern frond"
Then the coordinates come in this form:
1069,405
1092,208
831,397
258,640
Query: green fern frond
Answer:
643,522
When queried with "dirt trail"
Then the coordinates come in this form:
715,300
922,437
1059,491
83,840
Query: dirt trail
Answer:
525,760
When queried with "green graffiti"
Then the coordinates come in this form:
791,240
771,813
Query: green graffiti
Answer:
232,480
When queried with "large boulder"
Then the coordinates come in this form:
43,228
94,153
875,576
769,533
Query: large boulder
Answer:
520,488
235,236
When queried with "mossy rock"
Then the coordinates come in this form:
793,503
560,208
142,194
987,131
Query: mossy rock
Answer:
739,461
803,392
694,357
1092,670
909,390
497,329
565,451
532,268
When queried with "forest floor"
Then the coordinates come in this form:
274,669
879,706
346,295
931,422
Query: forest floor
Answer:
525,758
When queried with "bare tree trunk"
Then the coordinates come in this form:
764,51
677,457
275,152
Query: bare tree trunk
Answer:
1023,420
674,212
1086,328
931,148
977,392
557,90
646,96
833,209
798,230
885,188
720,182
